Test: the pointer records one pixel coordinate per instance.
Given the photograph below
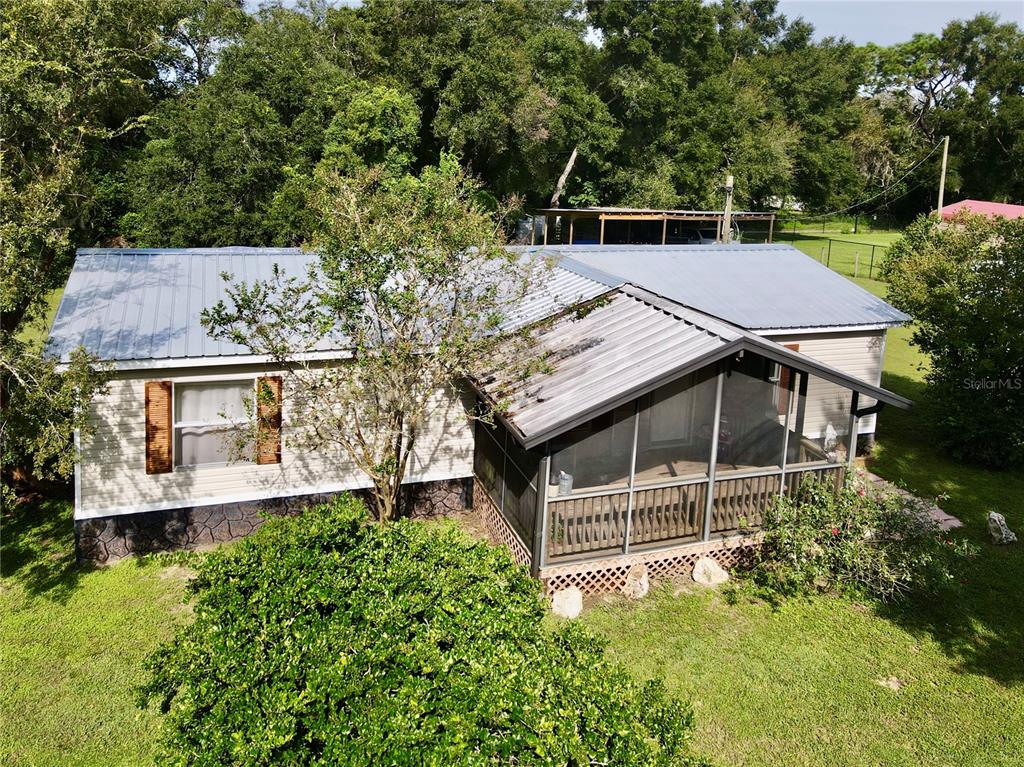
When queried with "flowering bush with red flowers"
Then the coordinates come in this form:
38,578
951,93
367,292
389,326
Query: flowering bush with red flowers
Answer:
861,539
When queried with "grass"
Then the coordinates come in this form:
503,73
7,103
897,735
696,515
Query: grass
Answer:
850,255
73,642
802,684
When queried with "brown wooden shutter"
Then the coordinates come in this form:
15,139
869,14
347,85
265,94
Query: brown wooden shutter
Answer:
268,410
784,382
159,429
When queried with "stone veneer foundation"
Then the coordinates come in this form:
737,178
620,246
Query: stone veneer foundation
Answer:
107,539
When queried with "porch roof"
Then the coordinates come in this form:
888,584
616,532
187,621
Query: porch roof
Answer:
619,346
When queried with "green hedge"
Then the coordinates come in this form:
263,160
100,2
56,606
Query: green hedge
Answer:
327,640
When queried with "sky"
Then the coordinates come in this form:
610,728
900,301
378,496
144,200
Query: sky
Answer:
885,23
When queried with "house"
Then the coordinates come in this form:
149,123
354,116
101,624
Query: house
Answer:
687,387
983,208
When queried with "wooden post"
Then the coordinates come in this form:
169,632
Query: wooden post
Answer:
727,220
664,230
829,252
871,264
601,240
540,522
533,230
856,262
709,499
942,178
571,220
771,228
632,476
718,229
545,228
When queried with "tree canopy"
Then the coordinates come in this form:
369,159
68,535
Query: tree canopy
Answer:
207,122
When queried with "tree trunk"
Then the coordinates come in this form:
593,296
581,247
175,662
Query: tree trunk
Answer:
560,186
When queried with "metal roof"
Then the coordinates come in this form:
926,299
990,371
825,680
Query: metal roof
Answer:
984,208
137,305
669,212
758,287
627,345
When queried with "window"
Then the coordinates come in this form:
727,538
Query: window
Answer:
209,420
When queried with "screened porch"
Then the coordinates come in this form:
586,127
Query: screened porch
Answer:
699,458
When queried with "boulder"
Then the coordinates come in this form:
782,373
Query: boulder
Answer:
567,603
998,529
708,572
638,582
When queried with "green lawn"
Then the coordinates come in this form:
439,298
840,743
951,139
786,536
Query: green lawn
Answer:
799,685
857,255
72,642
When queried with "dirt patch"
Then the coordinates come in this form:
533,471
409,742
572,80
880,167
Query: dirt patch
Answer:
891,683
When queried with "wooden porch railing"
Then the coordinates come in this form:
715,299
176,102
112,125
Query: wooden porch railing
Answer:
596,522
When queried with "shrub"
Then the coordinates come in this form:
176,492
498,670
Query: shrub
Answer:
962,281
327,640
860,539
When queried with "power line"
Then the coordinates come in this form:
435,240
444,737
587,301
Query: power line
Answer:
883,192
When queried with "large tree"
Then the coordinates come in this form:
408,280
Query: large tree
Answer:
414,280
962,282
78,79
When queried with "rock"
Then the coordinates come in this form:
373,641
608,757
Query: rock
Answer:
567,603
708,572
638,582
998,529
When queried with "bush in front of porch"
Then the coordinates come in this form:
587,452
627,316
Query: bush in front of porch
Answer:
862,539
323,639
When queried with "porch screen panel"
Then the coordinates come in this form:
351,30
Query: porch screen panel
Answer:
819,427
594,456
487,461
751,429
675,430
508,473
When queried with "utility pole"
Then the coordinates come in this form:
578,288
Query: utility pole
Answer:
942,178
727,219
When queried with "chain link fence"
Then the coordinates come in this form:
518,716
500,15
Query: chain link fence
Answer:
848,257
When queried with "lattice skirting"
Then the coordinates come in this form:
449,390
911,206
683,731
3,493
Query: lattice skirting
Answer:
499,529
609,574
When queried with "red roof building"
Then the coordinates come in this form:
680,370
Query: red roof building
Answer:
983,208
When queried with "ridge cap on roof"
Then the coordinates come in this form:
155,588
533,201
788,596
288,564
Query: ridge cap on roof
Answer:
220,250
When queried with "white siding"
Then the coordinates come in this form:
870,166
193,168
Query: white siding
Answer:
112,479
857,353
